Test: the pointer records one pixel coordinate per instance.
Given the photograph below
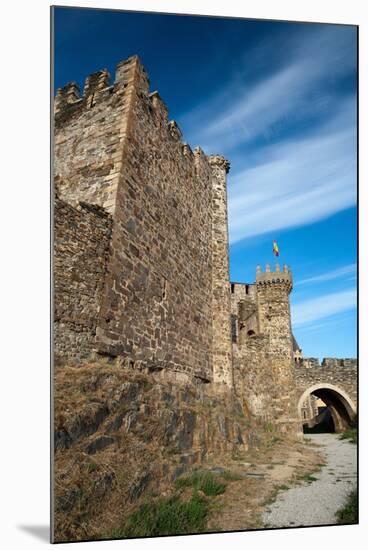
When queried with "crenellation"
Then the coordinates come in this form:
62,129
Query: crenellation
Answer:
174,130
131,71
69,93
219,161
159,107
327,362
187,151
271,277
96,82
309,362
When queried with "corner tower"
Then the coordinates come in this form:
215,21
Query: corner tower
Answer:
221,299
273,289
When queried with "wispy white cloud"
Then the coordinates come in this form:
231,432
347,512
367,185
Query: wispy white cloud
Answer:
277,182
330,275
245,109
298,183
311,310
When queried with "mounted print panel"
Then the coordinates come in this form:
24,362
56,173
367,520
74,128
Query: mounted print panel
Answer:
204,270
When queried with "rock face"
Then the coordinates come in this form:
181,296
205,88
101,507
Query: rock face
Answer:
125,434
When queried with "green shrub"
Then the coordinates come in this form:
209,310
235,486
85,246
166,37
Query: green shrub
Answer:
169,516
307,477
202,481
351,434
349,514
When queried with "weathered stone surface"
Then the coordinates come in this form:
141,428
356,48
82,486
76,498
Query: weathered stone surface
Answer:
340,377
115,149
81,246
103,484
115,424
99,443
139,484
66,501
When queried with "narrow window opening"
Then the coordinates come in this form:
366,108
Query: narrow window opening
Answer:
91,101
233,328
164,290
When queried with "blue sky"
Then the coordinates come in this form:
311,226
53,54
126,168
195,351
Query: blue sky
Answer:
278,100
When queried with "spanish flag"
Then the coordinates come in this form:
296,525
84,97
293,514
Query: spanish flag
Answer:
275,248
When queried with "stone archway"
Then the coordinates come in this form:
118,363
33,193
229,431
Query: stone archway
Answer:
342,408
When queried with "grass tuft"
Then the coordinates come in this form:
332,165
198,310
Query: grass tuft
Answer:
351,435
307,478
349,514
202,481
169,516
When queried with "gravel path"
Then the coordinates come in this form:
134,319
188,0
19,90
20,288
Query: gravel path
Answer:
316,503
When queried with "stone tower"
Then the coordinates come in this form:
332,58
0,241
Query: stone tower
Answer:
273,289
221,300
140,233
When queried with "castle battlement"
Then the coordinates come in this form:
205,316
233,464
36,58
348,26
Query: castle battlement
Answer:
327,363
69,103
277,276
104,112
127,71
115,148
220,162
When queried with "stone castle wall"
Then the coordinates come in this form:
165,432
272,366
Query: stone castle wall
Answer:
157,305
82,239
253,378
162,299
88,137
343,377
262,341
244,313
142,259
313,362
273,290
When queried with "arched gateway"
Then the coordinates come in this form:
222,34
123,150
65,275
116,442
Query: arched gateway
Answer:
333,387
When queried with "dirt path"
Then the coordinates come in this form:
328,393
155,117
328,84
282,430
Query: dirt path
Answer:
316,502
260,478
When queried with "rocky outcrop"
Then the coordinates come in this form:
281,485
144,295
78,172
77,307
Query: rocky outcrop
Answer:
121,434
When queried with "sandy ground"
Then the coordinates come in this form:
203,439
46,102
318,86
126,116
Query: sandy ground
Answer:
263,473
316,503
